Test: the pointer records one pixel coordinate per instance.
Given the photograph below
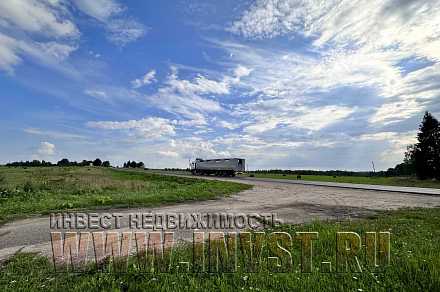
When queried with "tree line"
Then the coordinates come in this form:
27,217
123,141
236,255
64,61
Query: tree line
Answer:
134,164
62,162
66,162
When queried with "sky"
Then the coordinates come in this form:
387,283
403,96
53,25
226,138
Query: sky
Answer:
292,84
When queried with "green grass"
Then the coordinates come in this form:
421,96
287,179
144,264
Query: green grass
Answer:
28,191
415,265
386,181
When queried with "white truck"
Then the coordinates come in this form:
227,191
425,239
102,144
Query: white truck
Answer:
220,167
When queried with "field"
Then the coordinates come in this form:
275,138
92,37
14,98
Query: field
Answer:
386,181
29,191
415,265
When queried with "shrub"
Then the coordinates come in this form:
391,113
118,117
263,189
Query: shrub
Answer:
2,180
103,200
28,187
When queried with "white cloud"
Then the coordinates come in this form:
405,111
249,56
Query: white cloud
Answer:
100,9
148,78
53,134
148,128
37,16
186,98
124,31
121,30
228,125
46,31
21,22
56,50
397,142
48,54
169,153
242,71
411,26
281,114
8,52
96,93
200,85
46,149
193,99
353,43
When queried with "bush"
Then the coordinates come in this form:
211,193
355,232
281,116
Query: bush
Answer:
103,200
28,187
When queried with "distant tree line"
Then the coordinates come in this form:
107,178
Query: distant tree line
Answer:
134,164
315,172
62,162
423,158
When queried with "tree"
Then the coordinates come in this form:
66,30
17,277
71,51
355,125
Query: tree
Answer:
97,162
426,153
106,163
85,163
140,165
63,162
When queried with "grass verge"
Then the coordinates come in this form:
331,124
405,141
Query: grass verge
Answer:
415,265
385,181
27,191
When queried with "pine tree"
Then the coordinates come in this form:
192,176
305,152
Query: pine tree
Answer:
427,151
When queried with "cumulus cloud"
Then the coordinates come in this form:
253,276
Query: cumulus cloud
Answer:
46,149
148,78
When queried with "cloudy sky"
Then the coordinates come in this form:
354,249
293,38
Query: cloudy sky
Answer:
284,83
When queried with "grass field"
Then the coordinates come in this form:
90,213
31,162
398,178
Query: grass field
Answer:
30,191
415,265
386,181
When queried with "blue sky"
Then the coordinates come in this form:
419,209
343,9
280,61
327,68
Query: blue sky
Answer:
283,83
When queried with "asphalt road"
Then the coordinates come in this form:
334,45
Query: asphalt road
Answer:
291,201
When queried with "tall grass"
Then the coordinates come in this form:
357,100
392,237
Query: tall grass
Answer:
42,190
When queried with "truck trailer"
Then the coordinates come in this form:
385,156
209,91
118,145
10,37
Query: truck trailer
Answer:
220,167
